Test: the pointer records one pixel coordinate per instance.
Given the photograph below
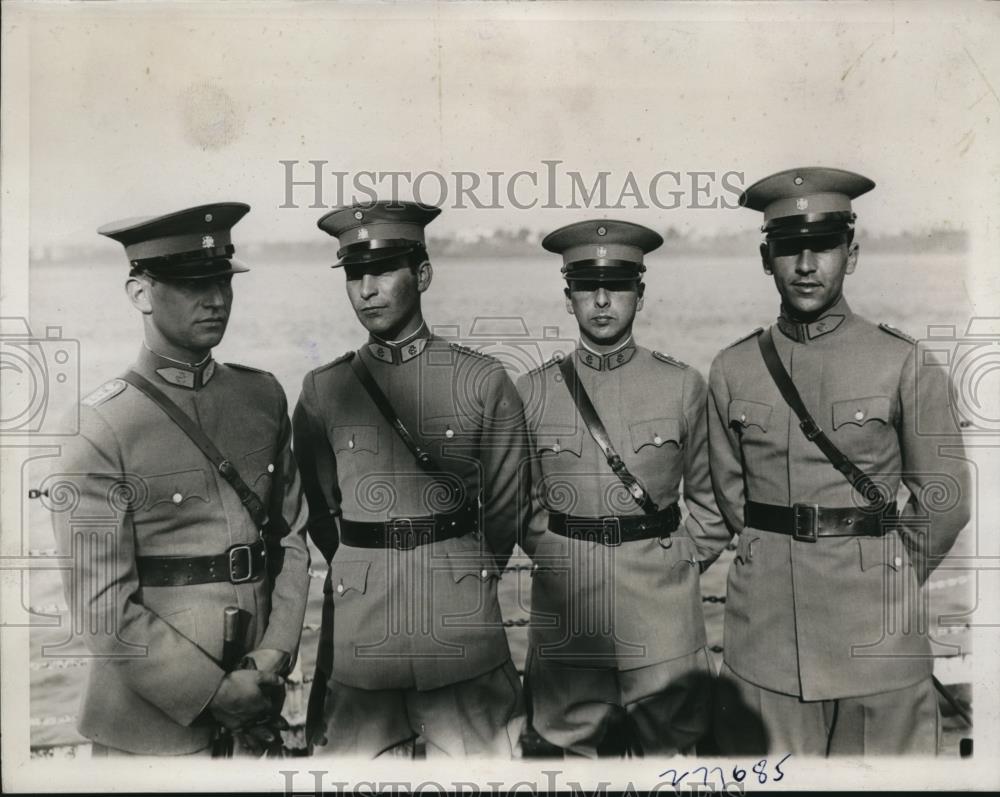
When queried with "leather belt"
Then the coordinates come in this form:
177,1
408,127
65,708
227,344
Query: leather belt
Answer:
615,529
238,565
406,533
807,522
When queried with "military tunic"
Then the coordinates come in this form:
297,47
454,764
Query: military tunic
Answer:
843,616
132,484
619,611
428,617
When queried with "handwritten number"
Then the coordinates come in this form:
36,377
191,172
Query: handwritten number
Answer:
739,774
777,767
761,769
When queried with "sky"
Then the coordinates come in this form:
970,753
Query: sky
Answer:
141,108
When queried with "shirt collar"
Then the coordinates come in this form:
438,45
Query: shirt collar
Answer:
397,352
187,375
802,332
606,361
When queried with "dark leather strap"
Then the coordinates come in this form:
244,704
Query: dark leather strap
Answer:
806,522
424,458
226,469
616,529
596,428
239,564
404,534
859,480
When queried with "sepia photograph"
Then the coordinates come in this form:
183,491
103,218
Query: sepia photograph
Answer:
485,396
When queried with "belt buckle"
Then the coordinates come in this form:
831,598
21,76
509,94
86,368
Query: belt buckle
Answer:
234,562
611,531
402,535
805,522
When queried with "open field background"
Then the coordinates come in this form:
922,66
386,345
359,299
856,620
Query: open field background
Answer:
291,316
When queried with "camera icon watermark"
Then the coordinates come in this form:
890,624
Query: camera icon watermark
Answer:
972,361
41,377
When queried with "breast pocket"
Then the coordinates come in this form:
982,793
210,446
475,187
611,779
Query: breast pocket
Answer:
348,440
553,447
257,469
862,428
656,433
179,489
752,417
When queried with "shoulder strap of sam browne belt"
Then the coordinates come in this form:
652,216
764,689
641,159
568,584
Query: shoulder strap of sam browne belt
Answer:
226,469
859,480
596,428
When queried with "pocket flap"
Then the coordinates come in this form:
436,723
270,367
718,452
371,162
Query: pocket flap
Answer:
655,432
749,413
176,488
256,465
345,576
861,410
472,563
552,444
880,551
355,438
444,428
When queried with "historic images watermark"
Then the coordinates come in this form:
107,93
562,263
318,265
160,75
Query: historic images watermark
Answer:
547,186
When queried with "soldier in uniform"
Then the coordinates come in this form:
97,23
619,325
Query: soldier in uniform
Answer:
617,656
162,542
826,648
411,451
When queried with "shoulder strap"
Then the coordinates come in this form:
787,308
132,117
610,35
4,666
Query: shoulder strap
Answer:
783,380
381,401
226,469
596,428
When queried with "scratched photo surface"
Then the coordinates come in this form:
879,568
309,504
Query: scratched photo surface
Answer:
520,118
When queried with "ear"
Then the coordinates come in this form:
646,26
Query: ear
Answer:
765,259
569,302
425,273
852,257
641,290
139,290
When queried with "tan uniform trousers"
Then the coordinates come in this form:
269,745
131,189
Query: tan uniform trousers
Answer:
662,709
478,717
751,720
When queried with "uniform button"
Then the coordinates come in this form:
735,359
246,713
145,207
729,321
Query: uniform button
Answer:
483,573
449,433
657,439
340,589
177,498
270,468
534,566
557,448
743,417
350,444
898,561
859,415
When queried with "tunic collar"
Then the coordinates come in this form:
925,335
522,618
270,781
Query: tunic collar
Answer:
607,361
397,352
187,375
801,332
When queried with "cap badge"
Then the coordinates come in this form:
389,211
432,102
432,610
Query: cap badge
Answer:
797,181
802,203
602,230
602,251
208,217
358,215
207,242
362,233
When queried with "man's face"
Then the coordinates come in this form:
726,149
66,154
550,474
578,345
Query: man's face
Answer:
809,272
604,310
386,295
190,316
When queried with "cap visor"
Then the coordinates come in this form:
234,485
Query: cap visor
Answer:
369,256
216,267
